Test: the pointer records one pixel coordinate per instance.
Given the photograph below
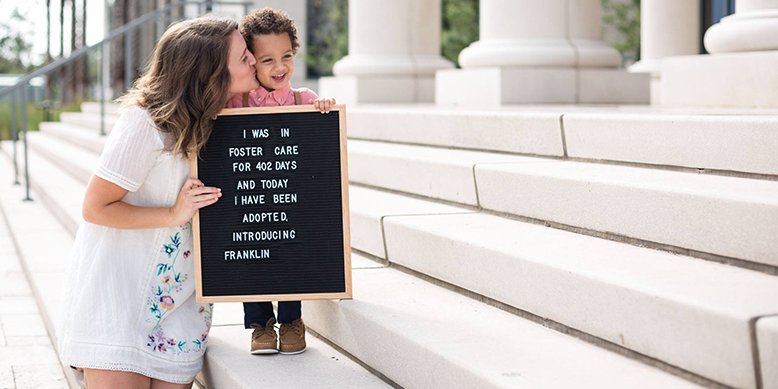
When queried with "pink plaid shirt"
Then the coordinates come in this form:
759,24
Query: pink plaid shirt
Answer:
260,97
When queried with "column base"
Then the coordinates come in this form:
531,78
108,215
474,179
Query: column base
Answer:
489,87
744,31
741,80
378,89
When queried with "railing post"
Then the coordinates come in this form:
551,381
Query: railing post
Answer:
24,128
160,25
128,59
101,83
14,136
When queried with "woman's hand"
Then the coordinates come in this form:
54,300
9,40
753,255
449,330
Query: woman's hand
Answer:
193,196
324,105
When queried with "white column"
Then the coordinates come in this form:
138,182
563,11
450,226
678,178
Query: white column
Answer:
585,31
398,37
753,27
539,51
741,70
667,28
394,52
540,33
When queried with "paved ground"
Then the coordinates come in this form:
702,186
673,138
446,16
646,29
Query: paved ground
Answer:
27,357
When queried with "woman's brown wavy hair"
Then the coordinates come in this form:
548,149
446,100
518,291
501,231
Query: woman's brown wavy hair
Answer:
187,81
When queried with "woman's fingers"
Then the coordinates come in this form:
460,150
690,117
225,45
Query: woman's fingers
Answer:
192,183
206,198
204,190
201,197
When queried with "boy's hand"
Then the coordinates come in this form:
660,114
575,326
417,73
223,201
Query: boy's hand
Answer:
323,105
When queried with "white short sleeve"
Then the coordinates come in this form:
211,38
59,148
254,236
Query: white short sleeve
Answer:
130,150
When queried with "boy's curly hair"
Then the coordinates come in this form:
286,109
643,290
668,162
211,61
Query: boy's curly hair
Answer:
267,21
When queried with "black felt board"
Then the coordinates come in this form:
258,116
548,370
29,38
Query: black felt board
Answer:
297,251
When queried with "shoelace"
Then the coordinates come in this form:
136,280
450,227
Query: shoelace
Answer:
269,331
284,329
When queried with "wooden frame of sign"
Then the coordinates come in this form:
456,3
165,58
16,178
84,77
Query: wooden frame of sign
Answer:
280,231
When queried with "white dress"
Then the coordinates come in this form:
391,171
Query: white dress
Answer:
129,302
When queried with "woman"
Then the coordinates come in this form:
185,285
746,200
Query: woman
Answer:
130,318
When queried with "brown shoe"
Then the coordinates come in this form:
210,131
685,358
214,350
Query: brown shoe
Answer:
292,337
264,340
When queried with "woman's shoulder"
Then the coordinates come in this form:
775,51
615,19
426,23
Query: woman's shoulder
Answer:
137,116
134,112
136,122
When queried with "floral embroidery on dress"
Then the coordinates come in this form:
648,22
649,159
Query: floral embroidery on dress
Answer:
161,301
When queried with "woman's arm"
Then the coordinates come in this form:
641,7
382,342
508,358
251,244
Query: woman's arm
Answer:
103,205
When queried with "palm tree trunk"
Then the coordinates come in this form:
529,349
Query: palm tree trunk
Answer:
73,80
61,73
48,31
118,18
49,83
85,61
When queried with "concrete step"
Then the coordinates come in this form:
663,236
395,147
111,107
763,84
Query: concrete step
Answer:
767,338
72,159
436,173
88,120
369,207
228,364
57,188
713,139
86,138
720,140
666,306
724,140
730,217
46,264
423,336
94,107
535,132
43,243
726,216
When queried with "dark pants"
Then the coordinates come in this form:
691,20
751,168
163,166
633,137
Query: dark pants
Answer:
260,313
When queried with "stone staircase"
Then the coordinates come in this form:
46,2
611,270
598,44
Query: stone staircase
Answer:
548,246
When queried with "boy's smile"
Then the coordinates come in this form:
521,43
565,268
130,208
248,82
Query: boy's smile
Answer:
275,60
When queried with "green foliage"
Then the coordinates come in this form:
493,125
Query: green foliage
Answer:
624,17
459,27
327,35
15,47
35,115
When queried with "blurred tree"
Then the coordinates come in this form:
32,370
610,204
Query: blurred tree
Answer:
15,49
327,35
459,27
624,17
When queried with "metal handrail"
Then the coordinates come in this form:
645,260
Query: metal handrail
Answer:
19,87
